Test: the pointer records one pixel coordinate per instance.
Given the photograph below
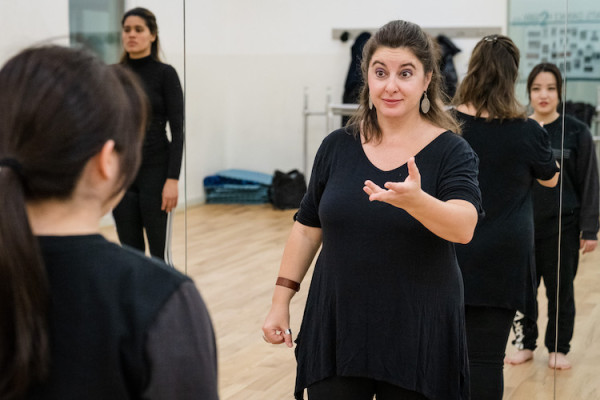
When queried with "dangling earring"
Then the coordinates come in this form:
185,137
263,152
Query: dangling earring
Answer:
425,104
370,103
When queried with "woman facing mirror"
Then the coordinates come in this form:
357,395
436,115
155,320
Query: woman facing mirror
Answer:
148,202
498,265
578,210
81,316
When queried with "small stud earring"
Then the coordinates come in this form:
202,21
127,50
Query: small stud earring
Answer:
425,104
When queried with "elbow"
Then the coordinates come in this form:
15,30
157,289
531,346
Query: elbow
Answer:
467,231
465,238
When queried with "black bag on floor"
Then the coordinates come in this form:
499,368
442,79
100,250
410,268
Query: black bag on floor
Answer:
287,189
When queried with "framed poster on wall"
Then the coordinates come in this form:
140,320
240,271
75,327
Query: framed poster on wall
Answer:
565,34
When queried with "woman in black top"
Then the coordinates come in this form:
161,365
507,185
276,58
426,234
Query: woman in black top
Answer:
579,218
152,196
498,265
388,197
80,317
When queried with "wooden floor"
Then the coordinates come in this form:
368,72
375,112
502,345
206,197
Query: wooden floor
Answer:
233,254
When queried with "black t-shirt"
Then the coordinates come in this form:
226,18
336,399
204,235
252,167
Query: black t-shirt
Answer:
498,265
163,89
386,297
123,326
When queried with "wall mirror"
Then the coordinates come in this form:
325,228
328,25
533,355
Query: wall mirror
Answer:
246,73
96,25
564,33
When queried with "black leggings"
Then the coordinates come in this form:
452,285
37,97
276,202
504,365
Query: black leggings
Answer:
487,334
139,210
350,388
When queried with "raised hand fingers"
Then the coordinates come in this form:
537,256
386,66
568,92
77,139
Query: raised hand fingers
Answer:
371,188
413,170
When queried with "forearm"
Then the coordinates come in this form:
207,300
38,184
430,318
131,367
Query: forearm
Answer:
552,181
173,99
300,249
452,220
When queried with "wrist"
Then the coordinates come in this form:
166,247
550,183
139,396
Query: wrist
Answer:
288,283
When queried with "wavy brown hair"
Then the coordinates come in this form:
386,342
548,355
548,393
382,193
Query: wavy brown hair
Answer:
58,107
404,34
489,85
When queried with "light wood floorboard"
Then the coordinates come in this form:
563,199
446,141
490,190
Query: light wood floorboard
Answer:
233,254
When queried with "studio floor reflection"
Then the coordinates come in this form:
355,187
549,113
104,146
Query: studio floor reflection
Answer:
233,254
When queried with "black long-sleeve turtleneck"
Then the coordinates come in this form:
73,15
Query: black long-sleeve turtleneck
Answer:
163,89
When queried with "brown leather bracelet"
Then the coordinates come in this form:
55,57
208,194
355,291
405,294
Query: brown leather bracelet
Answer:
288,283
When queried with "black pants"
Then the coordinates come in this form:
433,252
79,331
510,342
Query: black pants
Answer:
346,388
546,257
487,334
139,210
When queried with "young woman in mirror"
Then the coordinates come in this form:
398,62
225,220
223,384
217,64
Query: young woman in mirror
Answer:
578,219
498,264
388,197
82,317
149,200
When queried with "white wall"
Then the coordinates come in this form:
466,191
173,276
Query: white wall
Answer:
25,23
247,64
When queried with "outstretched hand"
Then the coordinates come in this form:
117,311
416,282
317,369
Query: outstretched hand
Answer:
399,194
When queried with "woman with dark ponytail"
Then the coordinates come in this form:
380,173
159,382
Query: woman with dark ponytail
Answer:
81,317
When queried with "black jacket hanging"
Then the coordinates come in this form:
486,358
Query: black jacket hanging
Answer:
447,69
354,79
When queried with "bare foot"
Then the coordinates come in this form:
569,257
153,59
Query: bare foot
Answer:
519,357
559,361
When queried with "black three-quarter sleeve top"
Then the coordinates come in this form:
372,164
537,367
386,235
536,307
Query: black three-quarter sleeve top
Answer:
164,92
498,265
386,296
123,326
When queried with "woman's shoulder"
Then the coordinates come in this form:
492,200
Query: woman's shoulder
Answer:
572,123
343,134
166,68
98,255
530,124
452,142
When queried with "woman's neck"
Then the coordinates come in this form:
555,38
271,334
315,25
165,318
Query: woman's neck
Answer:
470,109
137,56
396,128
60,218
545,119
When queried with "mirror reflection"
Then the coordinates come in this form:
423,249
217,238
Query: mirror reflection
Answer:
560,44
245,85
145,213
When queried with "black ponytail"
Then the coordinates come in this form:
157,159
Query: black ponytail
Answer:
58,107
